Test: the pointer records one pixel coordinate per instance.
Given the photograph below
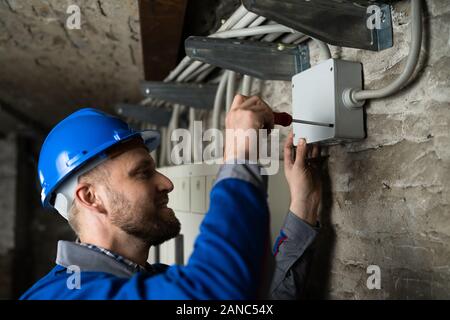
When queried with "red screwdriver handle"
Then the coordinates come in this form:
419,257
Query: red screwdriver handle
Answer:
282,118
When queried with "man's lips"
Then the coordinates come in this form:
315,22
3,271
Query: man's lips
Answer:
162,203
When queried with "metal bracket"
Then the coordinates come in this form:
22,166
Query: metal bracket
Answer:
264,60
384,35
200,96
153,115
345,23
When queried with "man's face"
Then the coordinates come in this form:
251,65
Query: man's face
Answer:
138,196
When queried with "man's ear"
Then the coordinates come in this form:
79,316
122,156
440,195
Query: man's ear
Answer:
89,198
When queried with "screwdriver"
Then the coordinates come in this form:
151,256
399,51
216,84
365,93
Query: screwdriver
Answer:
285,119
282,118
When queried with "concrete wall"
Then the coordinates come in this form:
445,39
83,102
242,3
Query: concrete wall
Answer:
47,70
28,233
387,198
8,175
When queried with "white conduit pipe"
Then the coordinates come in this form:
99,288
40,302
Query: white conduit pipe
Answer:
180,67
218,101
231,89
160,103
244,22
198,72
259,30
241,17
235,18
194,142
324,48
175,75
227,82
162,154
259,36
205,73
259,21
146,101
411,63
154,102
249,18
246,85
231,34
253,31
194,66
271,37
172,125
291,38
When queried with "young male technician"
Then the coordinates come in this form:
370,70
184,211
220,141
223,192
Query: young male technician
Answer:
100,176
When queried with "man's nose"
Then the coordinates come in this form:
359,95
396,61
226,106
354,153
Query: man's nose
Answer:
164,183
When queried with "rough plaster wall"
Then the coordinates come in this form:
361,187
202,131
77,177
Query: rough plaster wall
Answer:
388,201
7,212
48,70
47,228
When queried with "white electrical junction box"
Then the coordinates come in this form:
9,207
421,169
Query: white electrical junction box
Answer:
317,105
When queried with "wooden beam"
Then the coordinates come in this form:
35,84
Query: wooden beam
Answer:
161,31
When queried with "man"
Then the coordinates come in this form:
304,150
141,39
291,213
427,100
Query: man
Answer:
99,175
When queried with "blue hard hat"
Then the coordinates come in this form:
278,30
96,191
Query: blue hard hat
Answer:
83,136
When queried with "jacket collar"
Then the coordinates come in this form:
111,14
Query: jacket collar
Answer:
87,259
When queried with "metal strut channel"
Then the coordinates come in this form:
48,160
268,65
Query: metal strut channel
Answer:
153,115
363,24
194,95
264,60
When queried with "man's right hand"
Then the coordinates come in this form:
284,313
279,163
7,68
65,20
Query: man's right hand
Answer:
246,113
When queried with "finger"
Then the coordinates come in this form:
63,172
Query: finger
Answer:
264,115
249,102
263,111
269,117
288,161
301,153
255,104
238,100
309,148
315,151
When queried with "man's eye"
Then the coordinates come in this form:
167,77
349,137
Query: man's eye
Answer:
145,174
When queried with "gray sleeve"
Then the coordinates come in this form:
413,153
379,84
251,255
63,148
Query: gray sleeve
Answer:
247,172
293,254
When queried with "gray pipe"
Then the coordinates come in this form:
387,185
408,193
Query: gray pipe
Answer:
411,63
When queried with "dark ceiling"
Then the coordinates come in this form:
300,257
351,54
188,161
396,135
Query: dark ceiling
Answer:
47,70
